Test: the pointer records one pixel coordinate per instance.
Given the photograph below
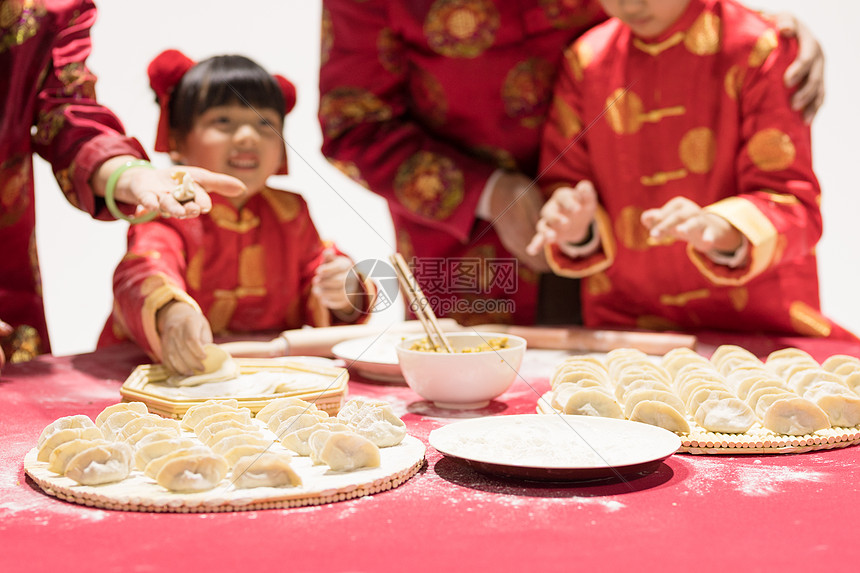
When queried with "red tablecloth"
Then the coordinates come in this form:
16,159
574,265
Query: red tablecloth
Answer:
718,513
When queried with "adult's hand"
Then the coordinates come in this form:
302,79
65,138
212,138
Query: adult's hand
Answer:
807,70
153,189
515,205
183,331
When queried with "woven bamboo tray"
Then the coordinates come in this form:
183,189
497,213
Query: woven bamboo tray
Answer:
319,486
756,440
324,386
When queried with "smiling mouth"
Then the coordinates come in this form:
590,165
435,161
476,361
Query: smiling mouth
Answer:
244,163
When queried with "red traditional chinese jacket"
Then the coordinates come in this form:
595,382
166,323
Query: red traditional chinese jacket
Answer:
420,102
702,112
44,82
247,270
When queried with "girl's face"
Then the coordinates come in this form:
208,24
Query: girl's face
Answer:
237,140
646,18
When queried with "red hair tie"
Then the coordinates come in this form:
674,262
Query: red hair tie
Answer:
165,73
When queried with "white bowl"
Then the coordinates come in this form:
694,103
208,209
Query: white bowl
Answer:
461,380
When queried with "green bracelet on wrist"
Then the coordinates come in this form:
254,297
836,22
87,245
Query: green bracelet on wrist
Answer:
111,186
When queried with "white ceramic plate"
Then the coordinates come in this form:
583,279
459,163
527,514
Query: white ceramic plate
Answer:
555,447
372,357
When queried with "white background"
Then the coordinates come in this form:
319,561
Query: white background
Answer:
78,254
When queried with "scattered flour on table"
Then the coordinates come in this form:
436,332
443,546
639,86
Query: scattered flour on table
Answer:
753,478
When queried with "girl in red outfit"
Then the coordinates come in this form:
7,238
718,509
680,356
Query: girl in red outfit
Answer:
255,262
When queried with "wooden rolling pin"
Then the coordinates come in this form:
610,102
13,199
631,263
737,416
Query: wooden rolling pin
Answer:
319,341
593,340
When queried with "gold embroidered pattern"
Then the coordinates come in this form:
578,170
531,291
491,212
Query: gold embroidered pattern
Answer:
326,36
429,185
343,108
461,28
390,51
662,177
221,312
683,298
252,267
579,57
698,149
78,80
227,218
629,228
598,284
14,185
351,170
781,198
657,48
734,81
764,45
650,322
807,321
527,90
739,297
625,112
285,205
194,270
771,150
703,36
499,157
49,125
568,121
19,21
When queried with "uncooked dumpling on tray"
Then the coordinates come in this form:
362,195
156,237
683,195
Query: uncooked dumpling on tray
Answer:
218,366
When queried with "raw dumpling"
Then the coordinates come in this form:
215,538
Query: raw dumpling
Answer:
233,455
199,411
198,471
101,464
64,423
289,411
294,423
152,421
795,417
114,423
230,442
212,430
241,416
67,435
154,466
343,451
63,453
264,470
278,404
660,414
218,366
633,398
589,402
728,416
374,420
154,450
138,407
297,440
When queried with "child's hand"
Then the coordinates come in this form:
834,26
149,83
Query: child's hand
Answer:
333,283
184,331
566,217
682,219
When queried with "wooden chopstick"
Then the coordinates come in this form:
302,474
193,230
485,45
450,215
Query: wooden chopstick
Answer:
419,304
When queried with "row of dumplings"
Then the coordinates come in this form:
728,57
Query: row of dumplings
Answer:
790,393
226,439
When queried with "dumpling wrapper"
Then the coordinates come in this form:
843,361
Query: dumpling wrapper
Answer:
199,411
154,466
101,464
297,440
591,402
795,417
67,435
138,407
660,414
633,398
264,470
375,420
63,454
192,472
278,404
64,423
343,451
727,416
157,449
218,366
